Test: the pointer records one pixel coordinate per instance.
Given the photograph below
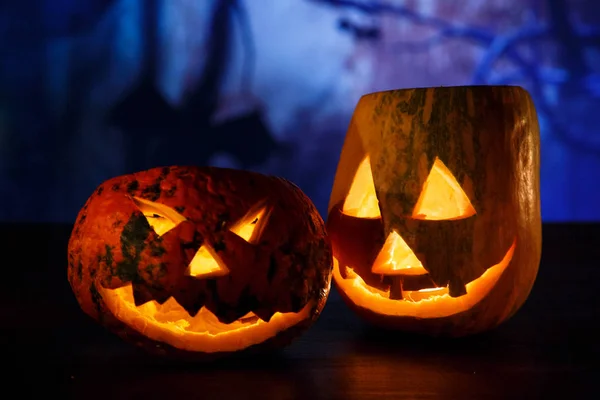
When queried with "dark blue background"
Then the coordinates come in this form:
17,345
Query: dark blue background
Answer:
94,89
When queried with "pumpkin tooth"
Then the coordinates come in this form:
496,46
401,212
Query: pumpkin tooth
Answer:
190,303
111,282
456,288
147,294
190,294
229,315
161,298
141,294
226,313
249,318
265,314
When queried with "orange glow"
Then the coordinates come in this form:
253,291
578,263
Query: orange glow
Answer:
206,264
427,303
160,217
424,294
442,198
396,258
362,200
251,225
170,323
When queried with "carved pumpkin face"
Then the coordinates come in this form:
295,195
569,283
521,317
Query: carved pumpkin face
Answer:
434,215
200,260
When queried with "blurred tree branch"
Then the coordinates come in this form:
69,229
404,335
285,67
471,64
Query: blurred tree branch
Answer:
570,40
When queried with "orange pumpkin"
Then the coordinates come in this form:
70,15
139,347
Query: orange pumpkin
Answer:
434,215
190,261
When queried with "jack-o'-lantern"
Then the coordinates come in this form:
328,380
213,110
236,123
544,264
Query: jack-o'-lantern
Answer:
434,215
200,261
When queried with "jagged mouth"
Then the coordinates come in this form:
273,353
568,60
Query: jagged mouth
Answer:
173,316
424,303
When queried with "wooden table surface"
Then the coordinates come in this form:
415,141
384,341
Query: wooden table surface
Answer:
550,349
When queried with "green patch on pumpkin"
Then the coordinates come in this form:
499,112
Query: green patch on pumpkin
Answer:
133,242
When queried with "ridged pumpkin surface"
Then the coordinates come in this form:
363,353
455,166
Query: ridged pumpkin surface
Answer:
191,260
454,176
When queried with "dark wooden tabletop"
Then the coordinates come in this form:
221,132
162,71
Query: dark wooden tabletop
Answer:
550,349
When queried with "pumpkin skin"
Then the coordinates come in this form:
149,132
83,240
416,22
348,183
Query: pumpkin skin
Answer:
453,174
264,269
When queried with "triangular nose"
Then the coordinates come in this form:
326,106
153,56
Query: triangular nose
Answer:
396,258
206,264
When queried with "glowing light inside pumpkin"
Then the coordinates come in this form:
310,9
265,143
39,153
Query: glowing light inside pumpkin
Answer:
170,323
442,198
424,294
425,303
206,264
161,218
251,225
361,200
396,258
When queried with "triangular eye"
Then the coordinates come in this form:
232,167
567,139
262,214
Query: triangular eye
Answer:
442,198
251,225
161,218
206,264
362,200
396,258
